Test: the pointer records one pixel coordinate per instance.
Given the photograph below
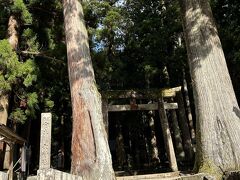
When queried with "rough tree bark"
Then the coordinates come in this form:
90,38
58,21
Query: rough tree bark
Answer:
91,156
217,110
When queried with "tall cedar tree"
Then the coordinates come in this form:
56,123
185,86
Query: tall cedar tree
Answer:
13,24
218,124
13,40
90,151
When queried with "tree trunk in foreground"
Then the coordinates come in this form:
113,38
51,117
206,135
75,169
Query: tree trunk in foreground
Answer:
218,123
91,156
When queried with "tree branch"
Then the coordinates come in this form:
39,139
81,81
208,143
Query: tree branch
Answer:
40,54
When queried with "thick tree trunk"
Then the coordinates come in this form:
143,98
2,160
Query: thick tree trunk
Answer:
218,124
91,156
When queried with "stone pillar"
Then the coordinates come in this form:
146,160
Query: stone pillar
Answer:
45,141
3,176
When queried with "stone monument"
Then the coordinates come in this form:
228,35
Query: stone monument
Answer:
45,141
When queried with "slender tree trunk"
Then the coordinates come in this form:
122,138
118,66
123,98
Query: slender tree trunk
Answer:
180,154
217,111
13,25
188,108
151,116
120,151
130,152
154,149
91,156
183,124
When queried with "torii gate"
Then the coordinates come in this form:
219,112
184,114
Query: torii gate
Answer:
157,94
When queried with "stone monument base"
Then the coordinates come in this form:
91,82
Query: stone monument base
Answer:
3,176
53,174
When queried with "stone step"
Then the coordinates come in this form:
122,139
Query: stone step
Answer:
151,176
58,175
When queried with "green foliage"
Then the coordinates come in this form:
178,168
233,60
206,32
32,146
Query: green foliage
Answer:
8,65
20,7
50,38
49,104
105,25
18,116
151,42
4,14
29,71
12,70
32,100
29,42
226,14
18,75
5,86
133,41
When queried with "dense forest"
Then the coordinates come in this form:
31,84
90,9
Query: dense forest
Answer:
145,45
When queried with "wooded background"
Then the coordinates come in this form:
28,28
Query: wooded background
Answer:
133,45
